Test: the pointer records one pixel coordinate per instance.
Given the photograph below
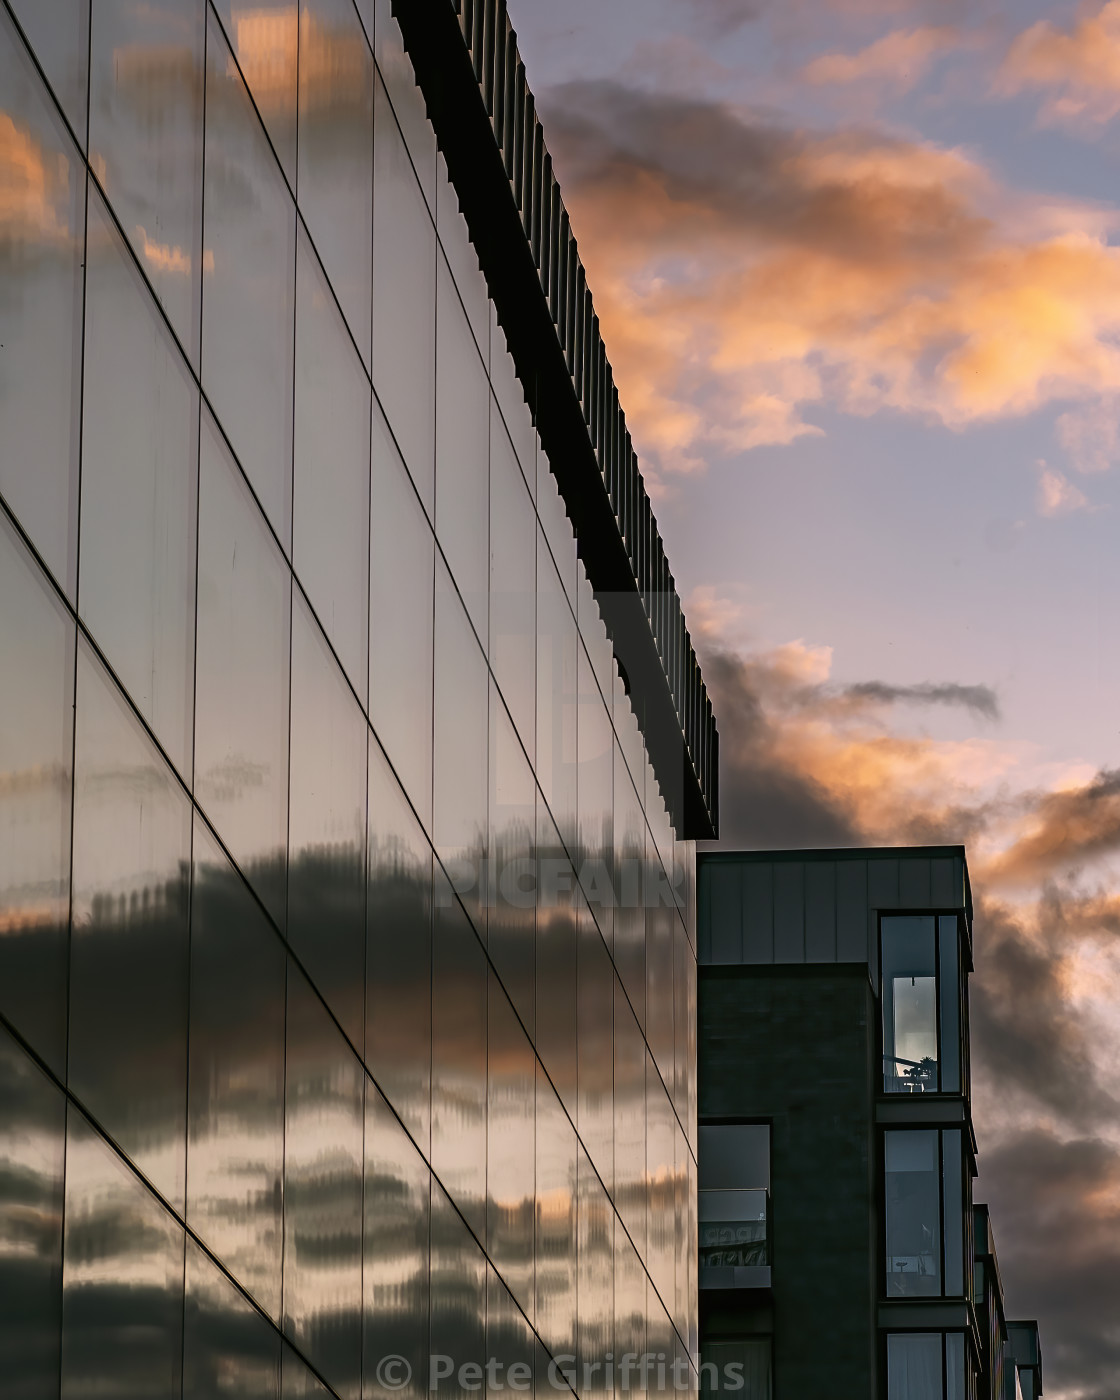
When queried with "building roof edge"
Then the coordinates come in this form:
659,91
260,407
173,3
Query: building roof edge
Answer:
465,56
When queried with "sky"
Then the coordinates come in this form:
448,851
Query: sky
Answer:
857,265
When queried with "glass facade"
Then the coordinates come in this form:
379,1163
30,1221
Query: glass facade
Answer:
347,969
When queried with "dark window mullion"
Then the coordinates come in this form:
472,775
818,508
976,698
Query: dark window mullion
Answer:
938,994
941,1210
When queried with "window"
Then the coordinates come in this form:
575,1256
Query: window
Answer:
743,1366
921,1004
924,1193
734,1195
925,1366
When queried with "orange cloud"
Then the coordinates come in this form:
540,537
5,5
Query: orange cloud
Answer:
897,59
806,761
1061,832
1079,68
745,271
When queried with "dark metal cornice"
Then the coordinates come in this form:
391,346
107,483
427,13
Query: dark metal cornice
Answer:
465,56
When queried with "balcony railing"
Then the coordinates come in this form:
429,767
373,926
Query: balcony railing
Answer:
734,1229
909,1076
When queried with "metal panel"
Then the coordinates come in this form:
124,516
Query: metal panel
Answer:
538,192
820,911
851,911
549,192
725,912
556,252
758,913
942,892
789,911
517,132
914,883
882,884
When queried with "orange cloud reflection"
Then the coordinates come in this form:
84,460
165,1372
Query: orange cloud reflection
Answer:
34,189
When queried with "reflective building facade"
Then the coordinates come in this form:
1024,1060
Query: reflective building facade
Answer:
352,747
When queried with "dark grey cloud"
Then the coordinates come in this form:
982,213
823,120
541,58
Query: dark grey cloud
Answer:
769,799
749,173
980,699
718,19
1055,1206
763,801
1026,1035
1070,828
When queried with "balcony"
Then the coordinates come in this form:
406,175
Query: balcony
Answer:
734,1239
909,1076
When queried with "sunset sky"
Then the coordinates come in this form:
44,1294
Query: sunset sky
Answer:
857,264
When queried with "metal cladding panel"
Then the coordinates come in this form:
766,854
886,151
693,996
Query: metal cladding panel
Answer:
725,914
789,912
820,911
818,907
549,193
914,883
882,884
944,893
703,917
517,143
758,913
851,911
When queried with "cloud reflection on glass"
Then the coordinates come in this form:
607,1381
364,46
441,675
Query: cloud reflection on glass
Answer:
336,1018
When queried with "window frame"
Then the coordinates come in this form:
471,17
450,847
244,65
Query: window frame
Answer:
970,1375
939,916
966,1242
743,1121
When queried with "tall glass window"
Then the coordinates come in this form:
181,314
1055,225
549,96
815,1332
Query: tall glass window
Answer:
139,479
243,668
128,954
924,1191
44,252
36,752
248,275
122,1278
926,1366
913,1234
335,152
753,1356
921,1004
145,142
32,1159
